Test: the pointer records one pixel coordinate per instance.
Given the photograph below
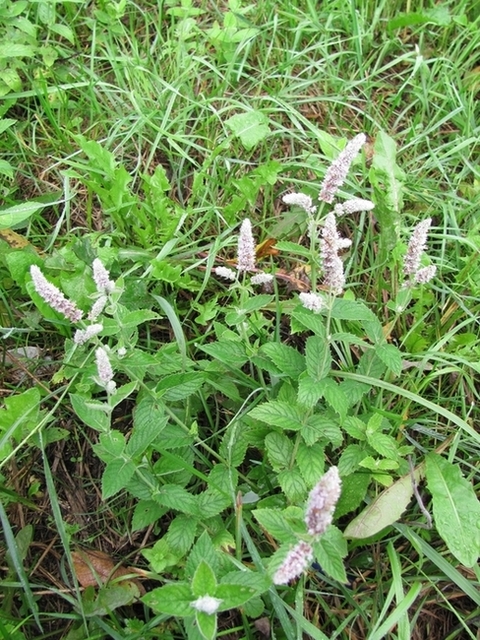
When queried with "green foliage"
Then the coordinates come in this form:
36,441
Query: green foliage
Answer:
161,128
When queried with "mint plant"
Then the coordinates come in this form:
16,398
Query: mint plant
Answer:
299,406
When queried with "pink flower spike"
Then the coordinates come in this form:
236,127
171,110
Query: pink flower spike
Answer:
416,247
330,245
104,368
321,502
338,170
102,277
294,564
53,296
246,247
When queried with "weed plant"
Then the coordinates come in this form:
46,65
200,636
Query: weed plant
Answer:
239,266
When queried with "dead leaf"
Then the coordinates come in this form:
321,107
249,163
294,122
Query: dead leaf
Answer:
94,568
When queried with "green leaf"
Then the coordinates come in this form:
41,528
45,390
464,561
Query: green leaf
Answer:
181,533
178,498
279,414
293,485
386,509
204,581
254,303
207,624
329,551
387,179
309,391
229,352
334,396
279,450
247,586
144,433
251,127
354,489
12,50
292,248
318,358
322,427
203,549
116,476
352,456
275,523
146,512
6,123
355,427
390,356
173,599
311,462
456,508
94,414
15,215
384,444
19,418
302,319
178,386
290,361
134,318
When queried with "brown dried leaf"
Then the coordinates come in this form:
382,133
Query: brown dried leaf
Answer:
94,568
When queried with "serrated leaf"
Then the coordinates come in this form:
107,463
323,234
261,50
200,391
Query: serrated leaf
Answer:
146,512
251,127
318,358
290,361
309,391
302,319
207,625
322,427
384,444
12,50
173,599
203,549
354,488
334,396
144,433
329,551
229,352
94,414
279,450
390,356
275,523
355,427
386,509
279,414
293,485
292,248
254,303
456,508
311,462
181,533
178,386
178,498
115,477
204,581
351,458
240,587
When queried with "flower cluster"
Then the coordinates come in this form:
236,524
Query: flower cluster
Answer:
57,301
318,516
413,258
246,258
330,245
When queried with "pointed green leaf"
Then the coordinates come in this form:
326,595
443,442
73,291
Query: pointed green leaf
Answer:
173,599
279,414
207,624
251,127
279,450
204,582
116,476
456,508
